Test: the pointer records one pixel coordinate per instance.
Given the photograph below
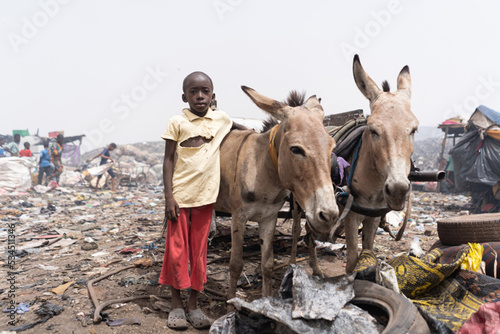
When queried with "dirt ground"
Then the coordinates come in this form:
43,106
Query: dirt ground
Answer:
51,229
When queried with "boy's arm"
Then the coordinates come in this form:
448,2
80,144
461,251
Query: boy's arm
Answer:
105,157
171,206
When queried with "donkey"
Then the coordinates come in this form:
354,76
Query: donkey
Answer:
380,177
260,170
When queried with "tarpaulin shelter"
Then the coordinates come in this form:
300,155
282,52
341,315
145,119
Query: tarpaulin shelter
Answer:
476,157
71,153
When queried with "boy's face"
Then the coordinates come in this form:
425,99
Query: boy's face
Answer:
199,94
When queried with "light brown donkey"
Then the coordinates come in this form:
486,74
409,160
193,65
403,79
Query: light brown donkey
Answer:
381,175
254,187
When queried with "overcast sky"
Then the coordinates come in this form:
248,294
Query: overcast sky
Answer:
113,69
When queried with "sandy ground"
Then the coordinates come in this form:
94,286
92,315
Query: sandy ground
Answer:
125,227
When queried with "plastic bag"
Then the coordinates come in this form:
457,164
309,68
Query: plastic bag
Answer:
473,259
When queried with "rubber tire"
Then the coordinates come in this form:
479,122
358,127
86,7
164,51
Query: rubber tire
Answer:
473,228
403,315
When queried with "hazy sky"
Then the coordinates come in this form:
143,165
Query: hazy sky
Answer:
113,69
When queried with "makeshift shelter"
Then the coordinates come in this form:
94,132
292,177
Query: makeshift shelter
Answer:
71,153
476,157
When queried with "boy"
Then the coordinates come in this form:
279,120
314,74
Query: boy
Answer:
26,152
13,147
45,166
105,156
191,189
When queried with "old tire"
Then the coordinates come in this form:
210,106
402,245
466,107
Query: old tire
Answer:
473,228
403,316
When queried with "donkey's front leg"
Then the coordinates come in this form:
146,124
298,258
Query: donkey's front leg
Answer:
351,224
266,233
296,228
313,255
236,261
370,225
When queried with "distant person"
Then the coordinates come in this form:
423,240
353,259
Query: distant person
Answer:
13,147
56,151
191,189
2,151
105,156
26,152
45,166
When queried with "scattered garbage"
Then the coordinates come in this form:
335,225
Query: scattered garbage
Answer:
71,234
306,305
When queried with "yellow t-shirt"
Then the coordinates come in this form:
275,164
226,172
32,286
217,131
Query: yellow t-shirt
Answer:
196,176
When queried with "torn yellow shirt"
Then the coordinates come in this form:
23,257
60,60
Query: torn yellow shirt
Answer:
196,176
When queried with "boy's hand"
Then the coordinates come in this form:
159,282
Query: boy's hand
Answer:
171,209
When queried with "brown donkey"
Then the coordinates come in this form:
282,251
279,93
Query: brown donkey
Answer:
381,175
259,170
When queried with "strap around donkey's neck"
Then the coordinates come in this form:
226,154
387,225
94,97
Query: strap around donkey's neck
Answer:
272,149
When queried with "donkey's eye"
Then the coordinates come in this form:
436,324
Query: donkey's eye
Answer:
297,150
374,132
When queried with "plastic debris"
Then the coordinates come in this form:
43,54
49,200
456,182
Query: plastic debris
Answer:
20,309
122,322
62,288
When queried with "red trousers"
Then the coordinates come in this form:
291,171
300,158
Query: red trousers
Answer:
186,242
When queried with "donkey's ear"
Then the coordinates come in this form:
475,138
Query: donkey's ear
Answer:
365,84
313,104
275,108
404,81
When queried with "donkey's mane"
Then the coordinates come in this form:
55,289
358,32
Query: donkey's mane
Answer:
268,124
294,99
385,86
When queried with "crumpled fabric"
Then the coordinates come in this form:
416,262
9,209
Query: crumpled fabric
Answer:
486,320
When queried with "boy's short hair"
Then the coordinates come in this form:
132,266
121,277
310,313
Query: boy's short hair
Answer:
113,145
184,83
45,144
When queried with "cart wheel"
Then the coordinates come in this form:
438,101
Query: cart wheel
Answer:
141,179
109,181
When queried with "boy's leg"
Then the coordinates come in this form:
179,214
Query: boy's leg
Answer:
41,171
97,182
198,236
176,298
175,269
112,174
